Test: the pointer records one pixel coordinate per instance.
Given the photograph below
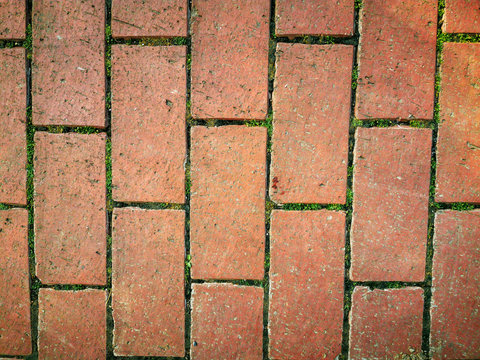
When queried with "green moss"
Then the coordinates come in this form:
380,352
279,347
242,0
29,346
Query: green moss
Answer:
462,206
28,43
108,168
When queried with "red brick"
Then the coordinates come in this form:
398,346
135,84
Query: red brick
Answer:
458,145
13,142
311,118
384,324
68,63
306,284
390,204
70,215
227,216
72,322
313,17
230,59
226,322
148,298
12,19
149,18
396,60
454,312
15,338
148,123
462,16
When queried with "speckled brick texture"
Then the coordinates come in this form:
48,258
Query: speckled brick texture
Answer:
306,284
462,16
12,19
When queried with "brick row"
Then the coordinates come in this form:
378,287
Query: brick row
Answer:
461,16
12,19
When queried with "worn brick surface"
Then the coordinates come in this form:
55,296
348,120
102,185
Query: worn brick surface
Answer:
70,215
462,16
390,203
149,18
230,59
227,207
148,123
312,17
68,80
12,19
14,283
458,144
306,284
148,282
13,142
226,322
72,324
311,116
385,323
454,312
396,59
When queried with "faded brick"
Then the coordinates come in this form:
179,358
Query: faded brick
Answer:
462,16
12,19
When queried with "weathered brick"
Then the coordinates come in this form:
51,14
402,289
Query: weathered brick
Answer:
148,282
454,312
396,61
384,324
458,145
226,322
462,16
313,17
306,284
68,82
227,207
390,203
72,322
15,338
148,123
311,118
149,18
230,59
12,19
13,142
70,215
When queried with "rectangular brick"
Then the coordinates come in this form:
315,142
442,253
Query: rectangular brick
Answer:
384,324
227,207
70,208
311,119
227,322
313,17
462,16
148,123
307,250
390,204
15,337
13,142
12,19
458,144
396,59
148,295
72,322
230,59
454,313
68,80
149,18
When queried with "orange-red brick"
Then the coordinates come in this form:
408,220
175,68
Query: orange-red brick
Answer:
12,19
462,16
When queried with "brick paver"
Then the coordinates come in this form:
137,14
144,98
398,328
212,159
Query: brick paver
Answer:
384,324
12,19
13,142
458,144
70,215
306,284
312,17
226,322
396,59
462,16
149,18
230,59
148,123
390,204
227,214
148,282
72,323
68,72
454,312
311,117
15,337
